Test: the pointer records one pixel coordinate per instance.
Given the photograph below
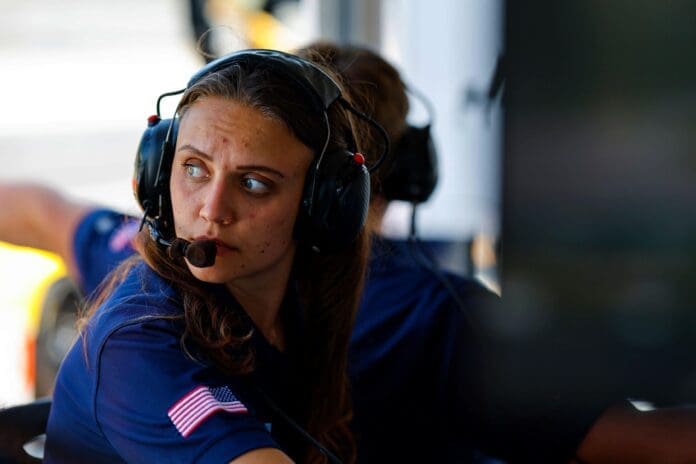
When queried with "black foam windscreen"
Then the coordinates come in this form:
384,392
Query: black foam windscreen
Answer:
177,248
200,253
413,173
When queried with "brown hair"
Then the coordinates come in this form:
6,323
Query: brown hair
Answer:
329,284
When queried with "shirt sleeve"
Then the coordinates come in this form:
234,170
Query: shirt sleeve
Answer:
101,241
155,404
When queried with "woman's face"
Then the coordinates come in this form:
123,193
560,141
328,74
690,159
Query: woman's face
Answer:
237,178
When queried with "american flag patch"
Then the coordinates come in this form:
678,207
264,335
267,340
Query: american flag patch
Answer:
199,404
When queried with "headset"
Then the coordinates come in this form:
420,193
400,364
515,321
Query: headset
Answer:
336,193
412,174
412,177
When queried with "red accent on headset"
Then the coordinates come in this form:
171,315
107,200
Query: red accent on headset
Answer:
152,120
359,158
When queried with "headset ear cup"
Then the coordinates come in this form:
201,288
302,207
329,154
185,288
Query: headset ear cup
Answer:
151,172
413,172
335,203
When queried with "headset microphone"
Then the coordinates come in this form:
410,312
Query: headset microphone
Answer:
200,253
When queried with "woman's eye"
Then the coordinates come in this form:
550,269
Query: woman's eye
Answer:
254,185
194,170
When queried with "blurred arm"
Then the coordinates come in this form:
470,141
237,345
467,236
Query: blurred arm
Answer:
263,456
625,434
39,217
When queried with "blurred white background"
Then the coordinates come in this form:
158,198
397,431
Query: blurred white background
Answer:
79,80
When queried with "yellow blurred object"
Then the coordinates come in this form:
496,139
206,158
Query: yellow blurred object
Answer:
485,261
483,251
257,28
26,275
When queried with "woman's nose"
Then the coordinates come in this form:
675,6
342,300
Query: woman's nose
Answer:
217,203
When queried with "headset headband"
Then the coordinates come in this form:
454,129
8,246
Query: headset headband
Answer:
311,78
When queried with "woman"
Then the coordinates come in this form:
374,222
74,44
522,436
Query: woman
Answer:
185,360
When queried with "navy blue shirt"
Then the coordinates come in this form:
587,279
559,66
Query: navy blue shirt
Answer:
402,361
128,392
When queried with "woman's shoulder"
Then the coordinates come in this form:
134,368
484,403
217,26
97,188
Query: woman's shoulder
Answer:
404,267
142,285
142,298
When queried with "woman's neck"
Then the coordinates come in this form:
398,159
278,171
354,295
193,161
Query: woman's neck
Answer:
262,302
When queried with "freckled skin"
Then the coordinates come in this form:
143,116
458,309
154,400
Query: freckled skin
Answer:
231,140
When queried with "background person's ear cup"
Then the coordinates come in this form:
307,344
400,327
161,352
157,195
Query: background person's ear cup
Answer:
412,173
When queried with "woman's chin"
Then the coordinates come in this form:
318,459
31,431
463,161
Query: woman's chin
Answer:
210,274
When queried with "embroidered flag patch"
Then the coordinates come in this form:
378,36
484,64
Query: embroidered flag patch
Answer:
200,403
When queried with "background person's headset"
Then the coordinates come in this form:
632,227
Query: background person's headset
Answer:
412,168
336,193
412,176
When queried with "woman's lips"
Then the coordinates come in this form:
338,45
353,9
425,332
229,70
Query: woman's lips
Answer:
221,247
